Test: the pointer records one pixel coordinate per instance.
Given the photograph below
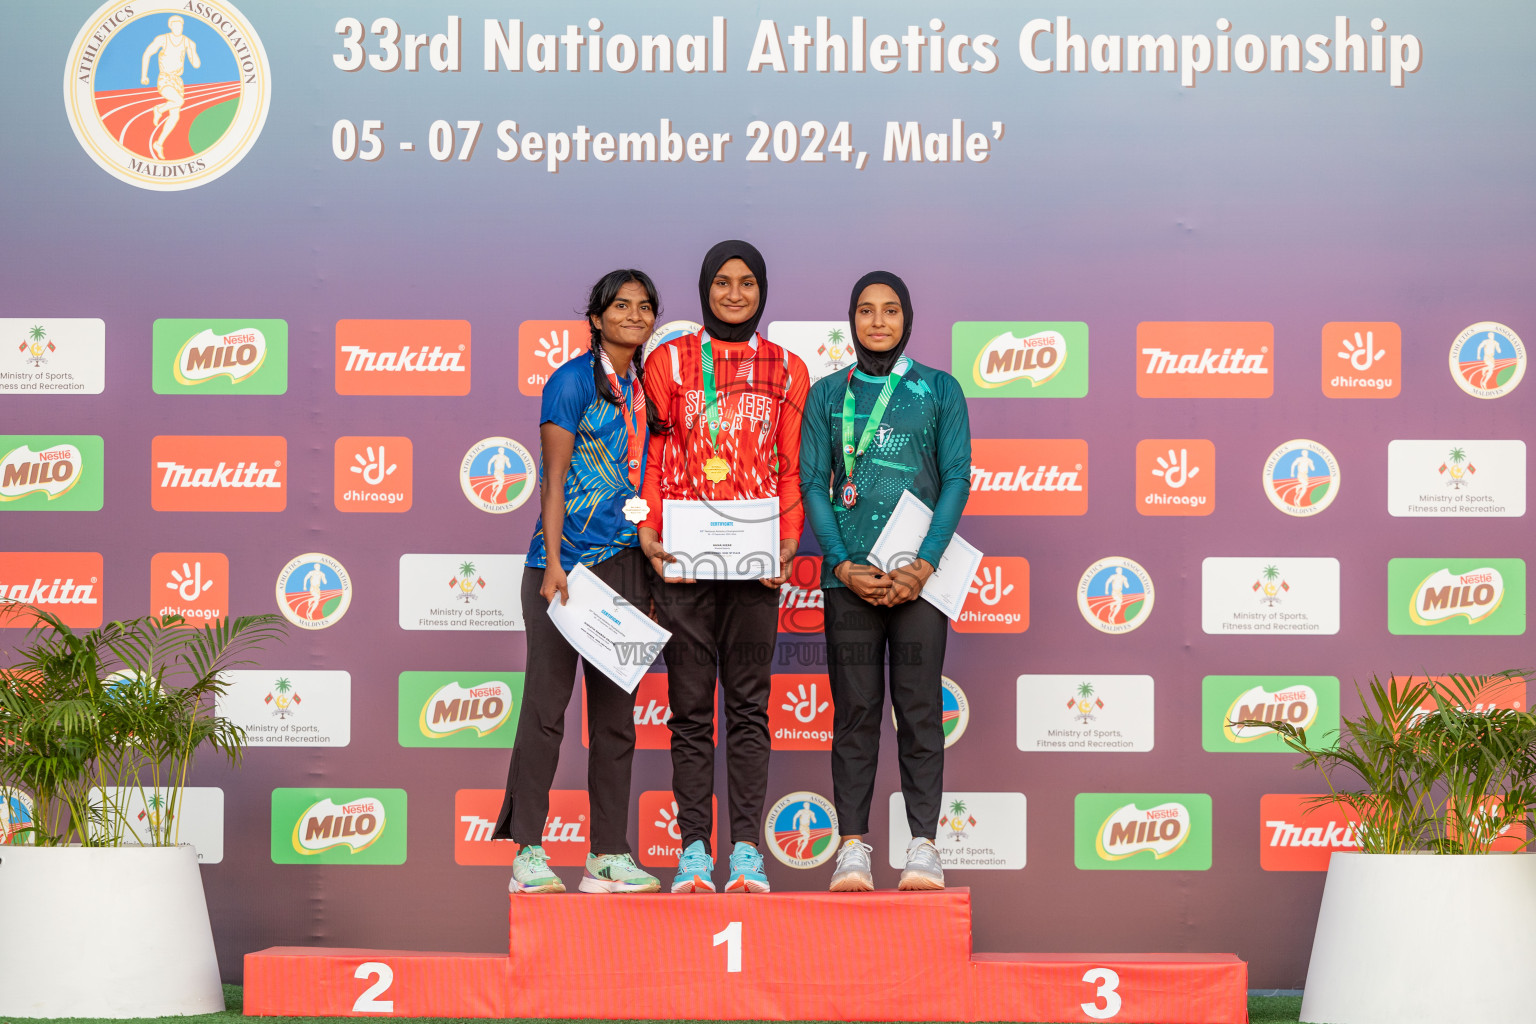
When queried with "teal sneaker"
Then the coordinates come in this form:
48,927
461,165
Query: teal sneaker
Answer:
747,870
616,872
695,870
530,872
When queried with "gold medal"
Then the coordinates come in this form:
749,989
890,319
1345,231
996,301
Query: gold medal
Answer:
717,469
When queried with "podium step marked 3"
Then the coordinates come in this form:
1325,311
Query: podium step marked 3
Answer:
794,956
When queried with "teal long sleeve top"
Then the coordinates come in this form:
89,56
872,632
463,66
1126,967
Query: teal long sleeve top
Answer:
923,446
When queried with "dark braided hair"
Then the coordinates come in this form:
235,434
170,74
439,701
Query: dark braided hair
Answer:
603,294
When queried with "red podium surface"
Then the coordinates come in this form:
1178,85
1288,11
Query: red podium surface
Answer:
795,956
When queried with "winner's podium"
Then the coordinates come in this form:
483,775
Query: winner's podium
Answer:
793,956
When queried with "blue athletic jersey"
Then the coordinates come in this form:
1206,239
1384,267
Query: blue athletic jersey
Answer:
597,485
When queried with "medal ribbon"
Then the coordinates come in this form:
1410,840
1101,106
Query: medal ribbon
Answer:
711,396
633,415
876,415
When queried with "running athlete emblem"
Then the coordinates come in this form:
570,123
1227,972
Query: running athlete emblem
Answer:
167,96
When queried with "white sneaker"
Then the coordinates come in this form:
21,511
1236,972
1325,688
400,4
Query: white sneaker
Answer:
923,870
852,873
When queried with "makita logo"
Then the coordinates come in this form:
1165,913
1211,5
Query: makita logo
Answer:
241,474
403,360
59,591
557,830
1207,362
51,471
1334,836
791,596
1205,359
802,604
1041,478
652,712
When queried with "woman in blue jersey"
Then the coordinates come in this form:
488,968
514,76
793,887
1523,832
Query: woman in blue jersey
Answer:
888,425
593,432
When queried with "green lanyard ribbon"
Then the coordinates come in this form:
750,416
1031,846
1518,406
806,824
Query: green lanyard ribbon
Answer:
872,426
711,396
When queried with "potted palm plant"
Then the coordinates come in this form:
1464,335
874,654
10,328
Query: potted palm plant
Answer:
1428,921
92,725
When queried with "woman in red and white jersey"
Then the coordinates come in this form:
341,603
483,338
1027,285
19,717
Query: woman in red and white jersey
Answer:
731,402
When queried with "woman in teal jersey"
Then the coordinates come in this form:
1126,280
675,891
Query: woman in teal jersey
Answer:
888,425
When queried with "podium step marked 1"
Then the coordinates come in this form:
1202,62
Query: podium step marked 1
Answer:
795,956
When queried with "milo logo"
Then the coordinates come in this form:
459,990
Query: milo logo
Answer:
236,355
51,473
326,825
1035,358
456,707
459,709
1303,702
1456,596
1142,832
1297,706
1444,595
1130,830
339,826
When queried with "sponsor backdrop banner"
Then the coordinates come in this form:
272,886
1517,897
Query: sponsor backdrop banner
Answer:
1238,296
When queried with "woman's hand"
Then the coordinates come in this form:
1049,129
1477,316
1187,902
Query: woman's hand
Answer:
650,547
865,581
554,583
787,549
907,582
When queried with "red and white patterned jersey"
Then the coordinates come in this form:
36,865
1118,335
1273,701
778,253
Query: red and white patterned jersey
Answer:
762,395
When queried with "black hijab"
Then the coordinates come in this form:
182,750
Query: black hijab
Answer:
717,257
879,364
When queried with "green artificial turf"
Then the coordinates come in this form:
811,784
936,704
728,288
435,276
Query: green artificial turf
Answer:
1261,1010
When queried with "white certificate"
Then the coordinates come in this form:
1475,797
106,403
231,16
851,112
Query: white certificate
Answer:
899,542
736,539
611,635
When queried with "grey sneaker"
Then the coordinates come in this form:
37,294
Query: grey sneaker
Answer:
923,870
852,873
616,872
530,872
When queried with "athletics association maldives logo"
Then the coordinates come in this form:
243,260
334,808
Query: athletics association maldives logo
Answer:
801,830
1487,360
1115,595
498,475
674,329
956,713
1301,478
313,591
167,96
16,813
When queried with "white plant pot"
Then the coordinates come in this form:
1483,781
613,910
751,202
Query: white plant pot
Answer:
92,932
1423,938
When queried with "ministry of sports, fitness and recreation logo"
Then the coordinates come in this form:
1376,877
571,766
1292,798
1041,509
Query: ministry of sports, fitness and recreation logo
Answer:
1301,478
498,475
1115,595
1487,360
167,96
313,591
801,830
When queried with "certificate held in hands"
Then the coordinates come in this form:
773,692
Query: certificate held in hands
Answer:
735,539
897,546
611,635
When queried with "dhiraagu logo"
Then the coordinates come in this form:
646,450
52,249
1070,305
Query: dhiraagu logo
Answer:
1027,359
460,709
50,473
1142,832
1456,596
338,826
220,357
1305,702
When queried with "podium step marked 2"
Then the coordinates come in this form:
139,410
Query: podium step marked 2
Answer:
794,956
